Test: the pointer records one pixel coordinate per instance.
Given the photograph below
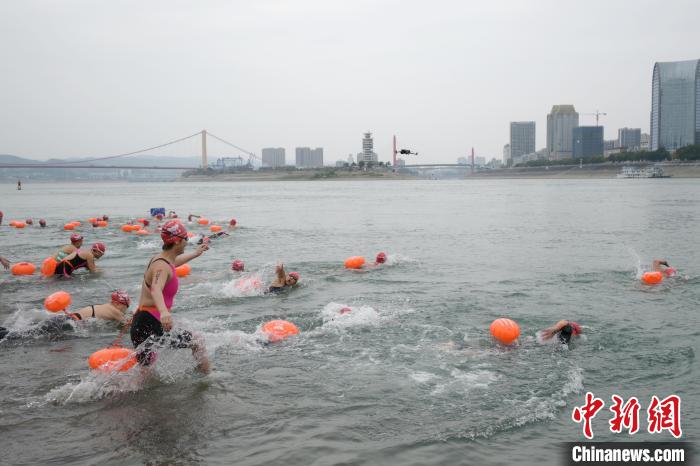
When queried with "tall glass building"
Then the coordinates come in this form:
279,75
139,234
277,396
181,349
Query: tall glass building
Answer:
675,105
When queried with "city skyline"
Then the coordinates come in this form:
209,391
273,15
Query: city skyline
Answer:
443,82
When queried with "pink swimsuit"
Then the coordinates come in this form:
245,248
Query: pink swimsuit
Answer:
169,290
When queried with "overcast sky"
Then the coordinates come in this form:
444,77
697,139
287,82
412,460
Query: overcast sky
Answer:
93,78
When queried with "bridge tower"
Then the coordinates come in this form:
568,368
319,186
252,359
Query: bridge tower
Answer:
394,162
204,150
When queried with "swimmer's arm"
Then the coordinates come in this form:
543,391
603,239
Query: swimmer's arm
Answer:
549,332
185,258
281,274
91,263
5,263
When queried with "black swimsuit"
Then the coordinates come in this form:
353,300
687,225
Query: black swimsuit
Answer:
67,267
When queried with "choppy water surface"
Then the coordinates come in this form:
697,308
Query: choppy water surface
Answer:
380,385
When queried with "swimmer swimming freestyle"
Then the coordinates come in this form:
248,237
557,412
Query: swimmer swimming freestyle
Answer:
284,280
565,330
79,259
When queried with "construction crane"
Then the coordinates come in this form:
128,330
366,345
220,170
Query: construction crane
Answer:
597,115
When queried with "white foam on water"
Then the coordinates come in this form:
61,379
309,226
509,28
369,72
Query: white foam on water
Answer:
422,377
248,285
149,244
358,316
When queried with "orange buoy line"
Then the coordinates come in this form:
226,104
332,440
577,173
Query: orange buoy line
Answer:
58,301
354,262
505,330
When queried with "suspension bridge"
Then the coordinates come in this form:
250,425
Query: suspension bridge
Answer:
90,162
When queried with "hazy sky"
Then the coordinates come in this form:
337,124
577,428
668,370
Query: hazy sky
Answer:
92,78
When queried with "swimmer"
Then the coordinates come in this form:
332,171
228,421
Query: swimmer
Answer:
81,258
76,241
160,285
563,329
660,265
1,215
284,280
42,223
191,216
5,263
381,258
115,310
172,214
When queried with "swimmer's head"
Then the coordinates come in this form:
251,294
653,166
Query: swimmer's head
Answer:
76,239
159,217
292,278
345,310
381,258
98,250
237,265
576,328
232,222
121,298
105,218
173,233
42,222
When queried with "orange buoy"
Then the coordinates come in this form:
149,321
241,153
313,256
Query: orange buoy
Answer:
135,227
110,359
76,223
13,223
505,330
652,278
68,226
92,220
183,271
48,267
215,228
190,234
20,225
143,232
203,221
354,262
278,330
126,228
101,223
23,268
141,220
59,301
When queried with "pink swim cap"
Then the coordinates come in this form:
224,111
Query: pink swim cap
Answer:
237,265
173,232
232,222
29,221
345,310
381,258
99,247
576,328
42,222
121,297
295,275
76,238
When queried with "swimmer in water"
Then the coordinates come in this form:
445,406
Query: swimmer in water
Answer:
191,216
563,329
172,214
160,285
115,310
5,263
284,280
662,266
76,241
81,258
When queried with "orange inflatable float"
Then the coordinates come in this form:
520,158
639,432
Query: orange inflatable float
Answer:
215,228
110,359
141,220
203,221
57,302
12,223
652,278
68,226
23,268
76,223
278,330
505,330
48,267
143,232
183,271
92,220
354,262
20,225
102,223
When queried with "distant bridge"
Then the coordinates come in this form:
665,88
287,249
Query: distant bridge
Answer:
436,165
85,163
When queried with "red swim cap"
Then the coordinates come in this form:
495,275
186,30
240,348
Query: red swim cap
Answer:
575,327
99,247
42,222
121,297
295,275
232,222
173,232
237,265
345,310
76,238
381,258
29,221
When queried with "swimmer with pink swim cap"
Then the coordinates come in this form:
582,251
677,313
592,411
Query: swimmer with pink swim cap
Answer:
662,266
564,330
381,258
237,265
76,241
284,280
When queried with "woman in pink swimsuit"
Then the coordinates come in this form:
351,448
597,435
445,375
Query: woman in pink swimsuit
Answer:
160,284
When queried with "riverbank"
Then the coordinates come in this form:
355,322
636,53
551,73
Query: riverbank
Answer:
301,175
597,171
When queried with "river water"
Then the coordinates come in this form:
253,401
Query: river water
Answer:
382,384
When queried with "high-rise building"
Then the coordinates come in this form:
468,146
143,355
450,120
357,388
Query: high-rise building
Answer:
507,162
629,138
522,138
273,157
644,141
309,158
367,155
560,125
588,141
675,105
